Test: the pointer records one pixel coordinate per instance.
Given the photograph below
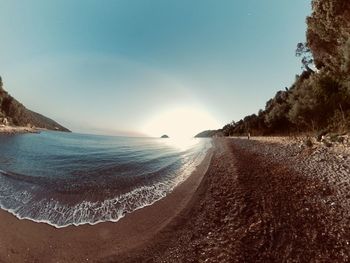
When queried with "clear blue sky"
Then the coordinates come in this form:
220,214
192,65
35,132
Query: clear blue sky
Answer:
109,66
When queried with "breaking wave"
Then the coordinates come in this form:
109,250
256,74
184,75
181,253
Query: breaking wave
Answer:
105,190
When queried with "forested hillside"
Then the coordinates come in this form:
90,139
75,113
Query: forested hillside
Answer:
18,115
319,99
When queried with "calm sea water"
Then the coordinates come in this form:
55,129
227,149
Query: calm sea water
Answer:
72,179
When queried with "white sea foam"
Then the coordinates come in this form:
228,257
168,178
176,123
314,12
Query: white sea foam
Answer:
24,204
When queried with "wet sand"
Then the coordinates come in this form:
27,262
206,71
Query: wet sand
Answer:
260,200
27,241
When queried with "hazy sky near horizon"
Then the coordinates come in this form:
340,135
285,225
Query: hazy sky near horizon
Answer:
113,66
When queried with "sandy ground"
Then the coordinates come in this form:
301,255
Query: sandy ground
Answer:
27,241
260,200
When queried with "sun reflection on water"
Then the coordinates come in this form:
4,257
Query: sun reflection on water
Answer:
181,143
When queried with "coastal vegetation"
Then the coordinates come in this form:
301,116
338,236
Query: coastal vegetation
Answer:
14,113
319,99
207,133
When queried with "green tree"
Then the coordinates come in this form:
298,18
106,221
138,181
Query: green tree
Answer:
304,52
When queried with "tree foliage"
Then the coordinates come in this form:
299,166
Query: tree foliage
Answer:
304,52
19,115
318,99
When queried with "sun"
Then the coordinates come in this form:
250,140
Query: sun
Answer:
182,122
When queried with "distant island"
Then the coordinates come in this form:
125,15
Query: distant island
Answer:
164,136
13,115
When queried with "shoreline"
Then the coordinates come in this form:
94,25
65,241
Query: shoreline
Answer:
27,240
258,200
17,130
262,200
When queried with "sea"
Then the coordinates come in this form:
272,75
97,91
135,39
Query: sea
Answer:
65,179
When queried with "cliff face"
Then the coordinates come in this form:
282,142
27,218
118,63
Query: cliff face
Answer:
19,115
